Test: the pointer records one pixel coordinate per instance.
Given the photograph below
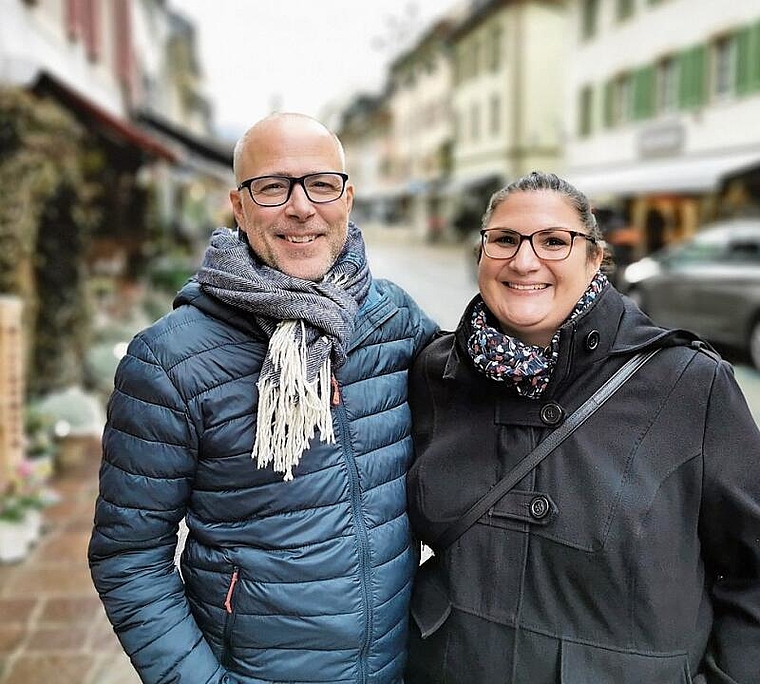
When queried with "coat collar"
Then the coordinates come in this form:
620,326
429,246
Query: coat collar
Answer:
611,326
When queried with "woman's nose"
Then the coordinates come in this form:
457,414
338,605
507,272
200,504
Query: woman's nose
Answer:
525,257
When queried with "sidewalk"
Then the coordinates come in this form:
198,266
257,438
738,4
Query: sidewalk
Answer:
52,627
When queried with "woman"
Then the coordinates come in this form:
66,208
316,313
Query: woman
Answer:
629,554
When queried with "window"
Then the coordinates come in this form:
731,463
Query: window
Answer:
744,250
474,122
691,77
723,63
494,60
585,111
589,17
624,9
495,115
457,68
667,85
618,100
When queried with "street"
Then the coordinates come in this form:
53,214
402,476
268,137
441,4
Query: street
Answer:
438,277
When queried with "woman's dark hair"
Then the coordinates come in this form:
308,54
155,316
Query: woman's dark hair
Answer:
538,180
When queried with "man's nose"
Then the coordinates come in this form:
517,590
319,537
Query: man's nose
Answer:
299,204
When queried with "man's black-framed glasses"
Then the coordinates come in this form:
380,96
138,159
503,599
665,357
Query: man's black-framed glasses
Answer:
554,244
273,191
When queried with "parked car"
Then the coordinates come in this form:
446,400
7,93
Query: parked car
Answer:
709,284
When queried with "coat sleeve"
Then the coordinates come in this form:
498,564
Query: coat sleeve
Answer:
730,532
149,456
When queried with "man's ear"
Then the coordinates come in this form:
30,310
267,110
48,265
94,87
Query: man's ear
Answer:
237,207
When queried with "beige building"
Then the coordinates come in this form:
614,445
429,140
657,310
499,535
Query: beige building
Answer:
507,99
364,130
663,100
421,127
477,101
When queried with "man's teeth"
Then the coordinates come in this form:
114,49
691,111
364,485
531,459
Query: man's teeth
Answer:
534,286
300,238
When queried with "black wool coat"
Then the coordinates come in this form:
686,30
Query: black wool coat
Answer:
640,563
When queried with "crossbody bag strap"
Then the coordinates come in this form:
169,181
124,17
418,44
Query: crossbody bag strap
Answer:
555,438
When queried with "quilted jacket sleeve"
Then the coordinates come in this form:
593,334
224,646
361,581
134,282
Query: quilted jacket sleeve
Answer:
146,473
424,328
730,532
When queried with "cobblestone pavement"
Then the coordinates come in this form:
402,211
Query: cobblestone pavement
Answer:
52,626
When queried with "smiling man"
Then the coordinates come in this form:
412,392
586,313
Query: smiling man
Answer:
268,410
296,226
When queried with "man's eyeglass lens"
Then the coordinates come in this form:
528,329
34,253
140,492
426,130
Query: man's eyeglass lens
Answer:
272,191
551,245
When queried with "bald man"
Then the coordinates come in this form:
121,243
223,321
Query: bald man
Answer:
268,410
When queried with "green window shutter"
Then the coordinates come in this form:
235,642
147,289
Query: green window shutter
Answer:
684,73
644,92
744,60
700,75
585,111
609,99
692,77
755,57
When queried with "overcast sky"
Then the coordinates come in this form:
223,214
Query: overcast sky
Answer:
299,55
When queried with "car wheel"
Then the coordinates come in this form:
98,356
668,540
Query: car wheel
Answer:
754,343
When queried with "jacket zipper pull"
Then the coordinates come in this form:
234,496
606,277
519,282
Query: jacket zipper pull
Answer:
335,391
228,600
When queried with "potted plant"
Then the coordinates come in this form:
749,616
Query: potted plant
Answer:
14,533
21,513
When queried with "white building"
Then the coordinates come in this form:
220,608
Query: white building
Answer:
663,103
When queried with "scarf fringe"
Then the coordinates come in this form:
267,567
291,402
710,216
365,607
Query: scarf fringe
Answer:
290,407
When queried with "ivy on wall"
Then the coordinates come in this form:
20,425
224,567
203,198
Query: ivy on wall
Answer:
47,213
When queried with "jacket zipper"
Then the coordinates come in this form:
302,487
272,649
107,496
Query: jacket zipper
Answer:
361,528
228,599
229,618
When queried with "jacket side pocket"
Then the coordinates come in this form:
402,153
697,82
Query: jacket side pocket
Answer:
584,663
430,599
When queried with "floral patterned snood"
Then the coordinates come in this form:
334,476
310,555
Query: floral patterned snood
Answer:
504,358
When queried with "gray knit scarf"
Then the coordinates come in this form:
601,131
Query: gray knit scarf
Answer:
309,325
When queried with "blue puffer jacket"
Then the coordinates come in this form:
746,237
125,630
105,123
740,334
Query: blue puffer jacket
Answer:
301,581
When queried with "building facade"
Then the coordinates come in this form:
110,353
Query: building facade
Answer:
662,99
508,66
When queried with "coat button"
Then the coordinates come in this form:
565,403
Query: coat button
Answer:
551,413
592,340
540,507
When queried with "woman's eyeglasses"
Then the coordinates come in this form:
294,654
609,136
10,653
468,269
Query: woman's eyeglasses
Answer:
549,245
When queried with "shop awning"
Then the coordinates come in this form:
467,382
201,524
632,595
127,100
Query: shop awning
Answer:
690,175
119,130
213,151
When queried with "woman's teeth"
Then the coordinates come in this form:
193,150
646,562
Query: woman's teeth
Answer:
533,286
